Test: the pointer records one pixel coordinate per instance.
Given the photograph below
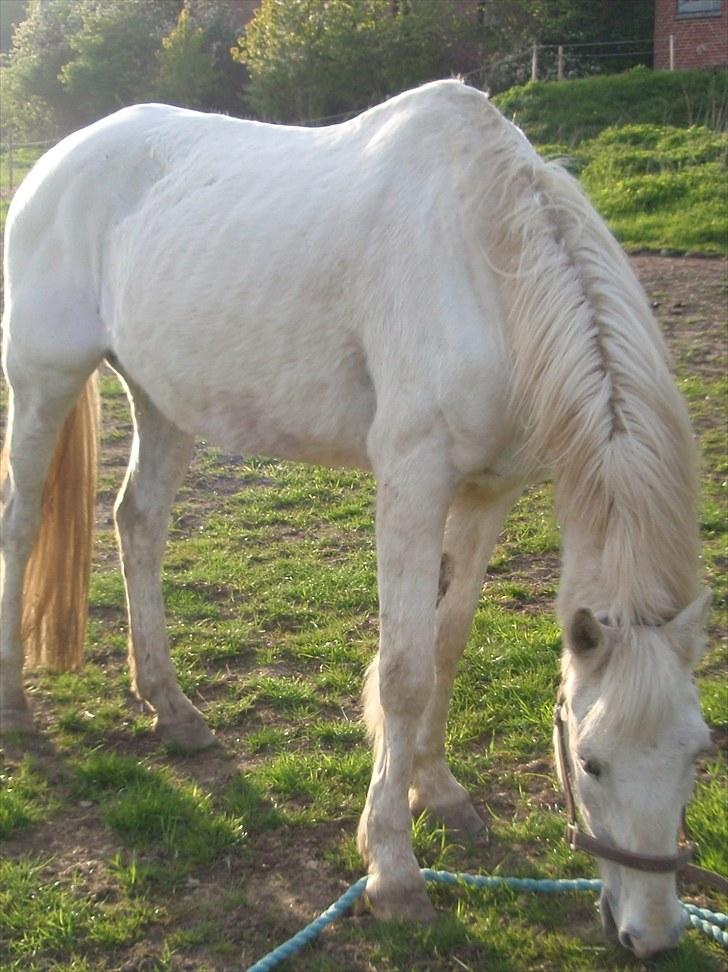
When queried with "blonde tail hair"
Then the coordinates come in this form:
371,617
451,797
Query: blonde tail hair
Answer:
56,580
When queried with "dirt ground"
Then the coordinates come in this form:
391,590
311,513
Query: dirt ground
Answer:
690,299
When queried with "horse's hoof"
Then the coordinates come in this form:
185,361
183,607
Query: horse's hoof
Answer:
18,719
459,818
188,734
399,903
462,818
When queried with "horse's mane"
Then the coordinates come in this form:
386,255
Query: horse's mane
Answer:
591,382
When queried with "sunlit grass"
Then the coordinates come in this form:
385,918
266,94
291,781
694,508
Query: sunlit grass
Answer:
42,920
25,797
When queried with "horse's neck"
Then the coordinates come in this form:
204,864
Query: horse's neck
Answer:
583,582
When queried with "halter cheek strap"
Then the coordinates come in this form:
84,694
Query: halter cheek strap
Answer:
653,863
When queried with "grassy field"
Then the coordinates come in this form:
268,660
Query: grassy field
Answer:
120,854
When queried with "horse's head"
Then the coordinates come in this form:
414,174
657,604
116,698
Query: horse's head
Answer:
627,736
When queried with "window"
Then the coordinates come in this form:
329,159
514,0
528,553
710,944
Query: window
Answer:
699,8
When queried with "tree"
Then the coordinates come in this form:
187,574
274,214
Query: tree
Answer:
187,74
607,32
313,58
13,12
34,101
114,62
560,21
73,61
223,21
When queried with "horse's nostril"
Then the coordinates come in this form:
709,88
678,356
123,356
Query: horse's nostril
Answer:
626,939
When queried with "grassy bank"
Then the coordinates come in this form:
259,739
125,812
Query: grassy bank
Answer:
571,112
658,187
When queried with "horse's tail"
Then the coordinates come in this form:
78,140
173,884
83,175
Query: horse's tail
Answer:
373,712
56,581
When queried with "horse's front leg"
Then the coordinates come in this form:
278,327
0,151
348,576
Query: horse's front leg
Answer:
473,525
412,500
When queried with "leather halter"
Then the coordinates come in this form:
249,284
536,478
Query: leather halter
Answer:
654,863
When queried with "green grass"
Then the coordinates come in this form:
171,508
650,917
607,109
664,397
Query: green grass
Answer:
147,808
25,796
660,187
575,111
42,920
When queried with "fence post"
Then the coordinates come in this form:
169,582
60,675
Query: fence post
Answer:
560,67
672,52
534,62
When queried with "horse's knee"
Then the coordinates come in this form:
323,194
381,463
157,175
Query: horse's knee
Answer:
128,515
405,682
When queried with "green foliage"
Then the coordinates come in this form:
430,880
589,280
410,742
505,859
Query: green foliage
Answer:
13,12
73,61
568,113
654,175
313,58
113,61
187,72
600,38
584,20
34,101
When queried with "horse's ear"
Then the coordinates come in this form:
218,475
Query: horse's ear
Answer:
585,636
686,630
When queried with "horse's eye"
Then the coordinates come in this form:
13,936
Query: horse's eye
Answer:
592,767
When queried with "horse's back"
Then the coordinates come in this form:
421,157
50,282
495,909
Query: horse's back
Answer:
272,287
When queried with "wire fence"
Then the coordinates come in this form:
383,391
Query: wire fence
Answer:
16,158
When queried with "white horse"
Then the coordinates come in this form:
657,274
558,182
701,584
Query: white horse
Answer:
414,292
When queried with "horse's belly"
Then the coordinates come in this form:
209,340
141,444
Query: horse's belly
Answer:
309,427
268,406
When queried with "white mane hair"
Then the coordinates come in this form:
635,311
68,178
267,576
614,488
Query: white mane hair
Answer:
591,381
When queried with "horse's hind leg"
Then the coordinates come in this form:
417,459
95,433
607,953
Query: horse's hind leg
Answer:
160,456
39,404
471,533
473,525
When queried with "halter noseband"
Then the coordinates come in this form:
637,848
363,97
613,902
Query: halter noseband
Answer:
577,840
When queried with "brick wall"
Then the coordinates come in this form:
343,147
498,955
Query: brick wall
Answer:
698,41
